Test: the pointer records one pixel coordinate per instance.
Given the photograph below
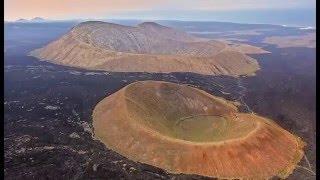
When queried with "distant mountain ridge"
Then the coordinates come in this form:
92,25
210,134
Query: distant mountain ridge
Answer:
147,47
22,20
37,19
33,20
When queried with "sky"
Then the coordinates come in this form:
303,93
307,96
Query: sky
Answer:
298,11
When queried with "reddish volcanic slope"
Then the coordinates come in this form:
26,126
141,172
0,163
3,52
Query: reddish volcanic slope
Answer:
185,130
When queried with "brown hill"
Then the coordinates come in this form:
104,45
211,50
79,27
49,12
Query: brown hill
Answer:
306,40
148,47
186,130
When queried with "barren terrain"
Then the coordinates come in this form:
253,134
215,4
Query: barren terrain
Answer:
48,108
308,40
148,47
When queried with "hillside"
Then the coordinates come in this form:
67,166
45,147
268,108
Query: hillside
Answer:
185,130
147,47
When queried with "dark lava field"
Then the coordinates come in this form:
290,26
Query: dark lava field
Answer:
48,130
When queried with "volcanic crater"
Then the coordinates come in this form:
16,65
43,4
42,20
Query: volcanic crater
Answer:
185,130
147,47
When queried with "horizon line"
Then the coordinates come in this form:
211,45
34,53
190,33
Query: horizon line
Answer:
29,20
